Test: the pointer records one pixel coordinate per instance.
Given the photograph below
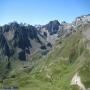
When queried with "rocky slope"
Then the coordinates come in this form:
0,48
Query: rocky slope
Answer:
84,19
20,41
53,71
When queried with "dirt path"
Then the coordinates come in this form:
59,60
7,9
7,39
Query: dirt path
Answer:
77,81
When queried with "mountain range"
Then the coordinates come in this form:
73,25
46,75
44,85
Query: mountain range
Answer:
45,57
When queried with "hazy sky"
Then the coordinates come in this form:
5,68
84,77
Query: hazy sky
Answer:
42,11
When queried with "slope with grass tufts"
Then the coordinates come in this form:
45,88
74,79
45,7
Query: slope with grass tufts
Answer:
55,70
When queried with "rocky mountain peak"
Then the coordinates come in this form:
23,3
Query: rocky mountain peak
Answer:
84,19
20,39
52,26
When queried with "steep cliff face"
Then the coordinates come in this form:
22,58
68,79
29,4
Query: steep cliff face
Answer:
84,19
50,30
52,27
20,40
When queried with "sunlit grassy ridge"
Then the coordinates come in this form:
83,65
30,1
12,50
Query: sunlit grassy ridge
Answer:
54,71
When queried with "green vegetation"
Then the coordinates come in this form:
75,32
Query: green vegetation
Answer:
55,70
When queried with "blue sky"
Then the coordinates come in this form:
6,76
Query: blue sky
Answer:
42,11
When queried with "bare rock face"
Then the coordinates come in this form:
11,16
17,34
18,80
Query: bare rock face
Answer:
76,80
52,27
19,40
82,20
50,31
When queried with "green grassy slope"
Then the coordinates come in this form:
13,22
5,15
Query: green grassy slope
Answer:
54,71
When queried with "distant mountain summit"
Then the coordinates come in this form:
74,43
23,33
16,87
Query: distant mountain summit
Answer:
84,19
52,27
19,40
